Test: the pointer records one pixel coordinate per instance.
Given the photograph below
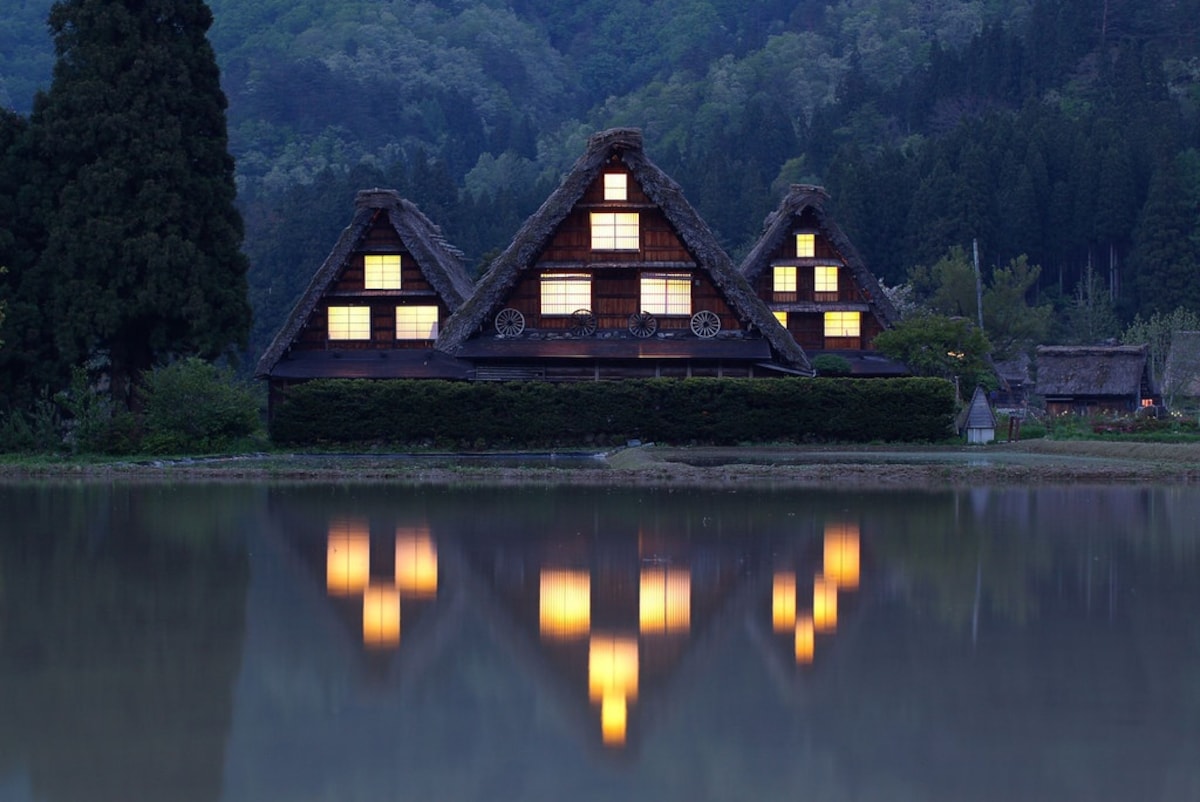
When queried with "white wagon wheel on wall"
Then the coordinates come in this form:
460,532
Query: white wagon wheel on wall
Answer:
509,322
706,324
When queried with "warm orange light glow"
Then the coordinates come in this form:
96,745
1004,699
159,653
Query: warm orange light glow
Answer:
347,557
613,717
842,554
805,640
665,600
381,616
416,563
783,601
565,600
612,667
825,607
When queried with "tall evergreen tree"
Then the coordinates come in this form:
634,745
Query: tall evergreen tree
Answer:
1166,253
142,260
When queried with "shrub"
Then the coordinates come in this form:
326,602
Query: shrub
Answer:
831,365
540,415
194,406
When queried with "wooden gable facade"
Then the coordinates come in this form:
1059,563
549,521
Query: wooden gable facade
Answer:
376,306
616,276
814,281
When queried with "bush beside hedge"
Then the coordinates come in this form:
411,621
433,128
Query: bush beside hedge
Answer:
539,415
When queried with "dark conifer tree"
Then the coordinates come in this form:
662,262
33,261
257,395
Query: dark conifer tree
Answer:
1166,250
142,259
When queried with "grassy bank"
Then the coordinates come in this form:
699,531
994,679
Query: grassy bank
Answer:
775,466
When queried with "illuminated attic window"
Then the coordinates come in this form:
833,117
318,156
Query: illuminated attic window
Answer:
381,271
806,246
616,187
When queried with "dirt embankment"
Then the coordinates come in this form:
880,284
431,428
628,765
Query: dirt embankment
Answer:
771,466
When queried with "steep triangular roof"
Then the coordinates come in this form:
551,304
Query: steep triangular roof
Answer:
626,145
779,224
978,414
440,262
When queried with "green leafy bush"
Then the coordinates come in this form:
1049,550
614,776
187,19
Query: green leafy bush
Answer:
539,415
193,406
831,365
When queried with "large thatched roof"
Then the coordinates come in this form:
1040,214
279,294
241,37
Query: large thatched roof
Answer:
440,263
780,223
624,144
1112,370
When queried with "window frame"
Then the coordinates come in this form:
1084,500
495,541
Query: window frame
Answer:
616,186
841,330
385,275
564,303
418,325
351,329
611,231
821,282
806,245
668,302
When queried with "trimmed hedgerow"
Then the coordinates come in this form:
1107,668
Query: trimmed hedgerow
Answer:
540,414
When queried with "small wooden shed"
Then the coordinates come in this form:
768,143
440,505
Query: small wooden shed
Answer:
978,421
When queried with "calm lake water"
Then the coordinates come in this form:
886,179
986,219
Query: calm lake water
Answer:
257,642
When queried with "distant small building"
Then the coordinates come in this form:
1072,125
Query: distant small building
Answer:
978,421
1181,378
1089,380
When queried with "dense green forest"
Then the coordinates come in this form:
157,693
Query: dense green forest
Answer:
1067,131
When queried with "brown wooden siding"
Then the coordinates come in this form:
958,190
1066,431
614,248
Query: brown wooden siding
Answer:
572,242
315,335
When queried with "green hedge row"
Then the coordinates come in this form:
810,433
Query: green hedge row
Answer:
538,414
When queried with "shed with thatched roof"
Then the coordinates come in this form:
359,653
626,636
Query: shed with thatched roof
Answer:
815,282
617,276
1094,379
375,307
978,420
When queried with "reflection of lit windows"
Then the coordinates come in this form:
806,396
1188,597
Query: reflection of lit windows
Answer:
667,293
825,279
805,641
783,601
616,187
564,293
416,322
565,602
381,616
349,323
347,557
806,246
781,317
664,600
381,271
416,563
841,324
615,231
613,681
842,554
825,604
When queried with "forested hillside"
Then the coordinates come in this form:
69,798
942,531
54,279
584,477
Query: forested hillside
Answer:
1066,130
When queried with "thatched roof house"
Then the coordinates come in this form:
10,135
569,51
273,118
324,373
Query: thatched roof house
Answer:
812,277
374,307
1094,379
616,226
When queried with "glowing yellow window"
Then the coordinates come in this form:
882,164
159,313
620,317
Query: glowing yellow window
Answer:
783,278
381,271
416,322
806,246
842,324
565,293
615,231
781,317
667,293
349,322
825,278
616,187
